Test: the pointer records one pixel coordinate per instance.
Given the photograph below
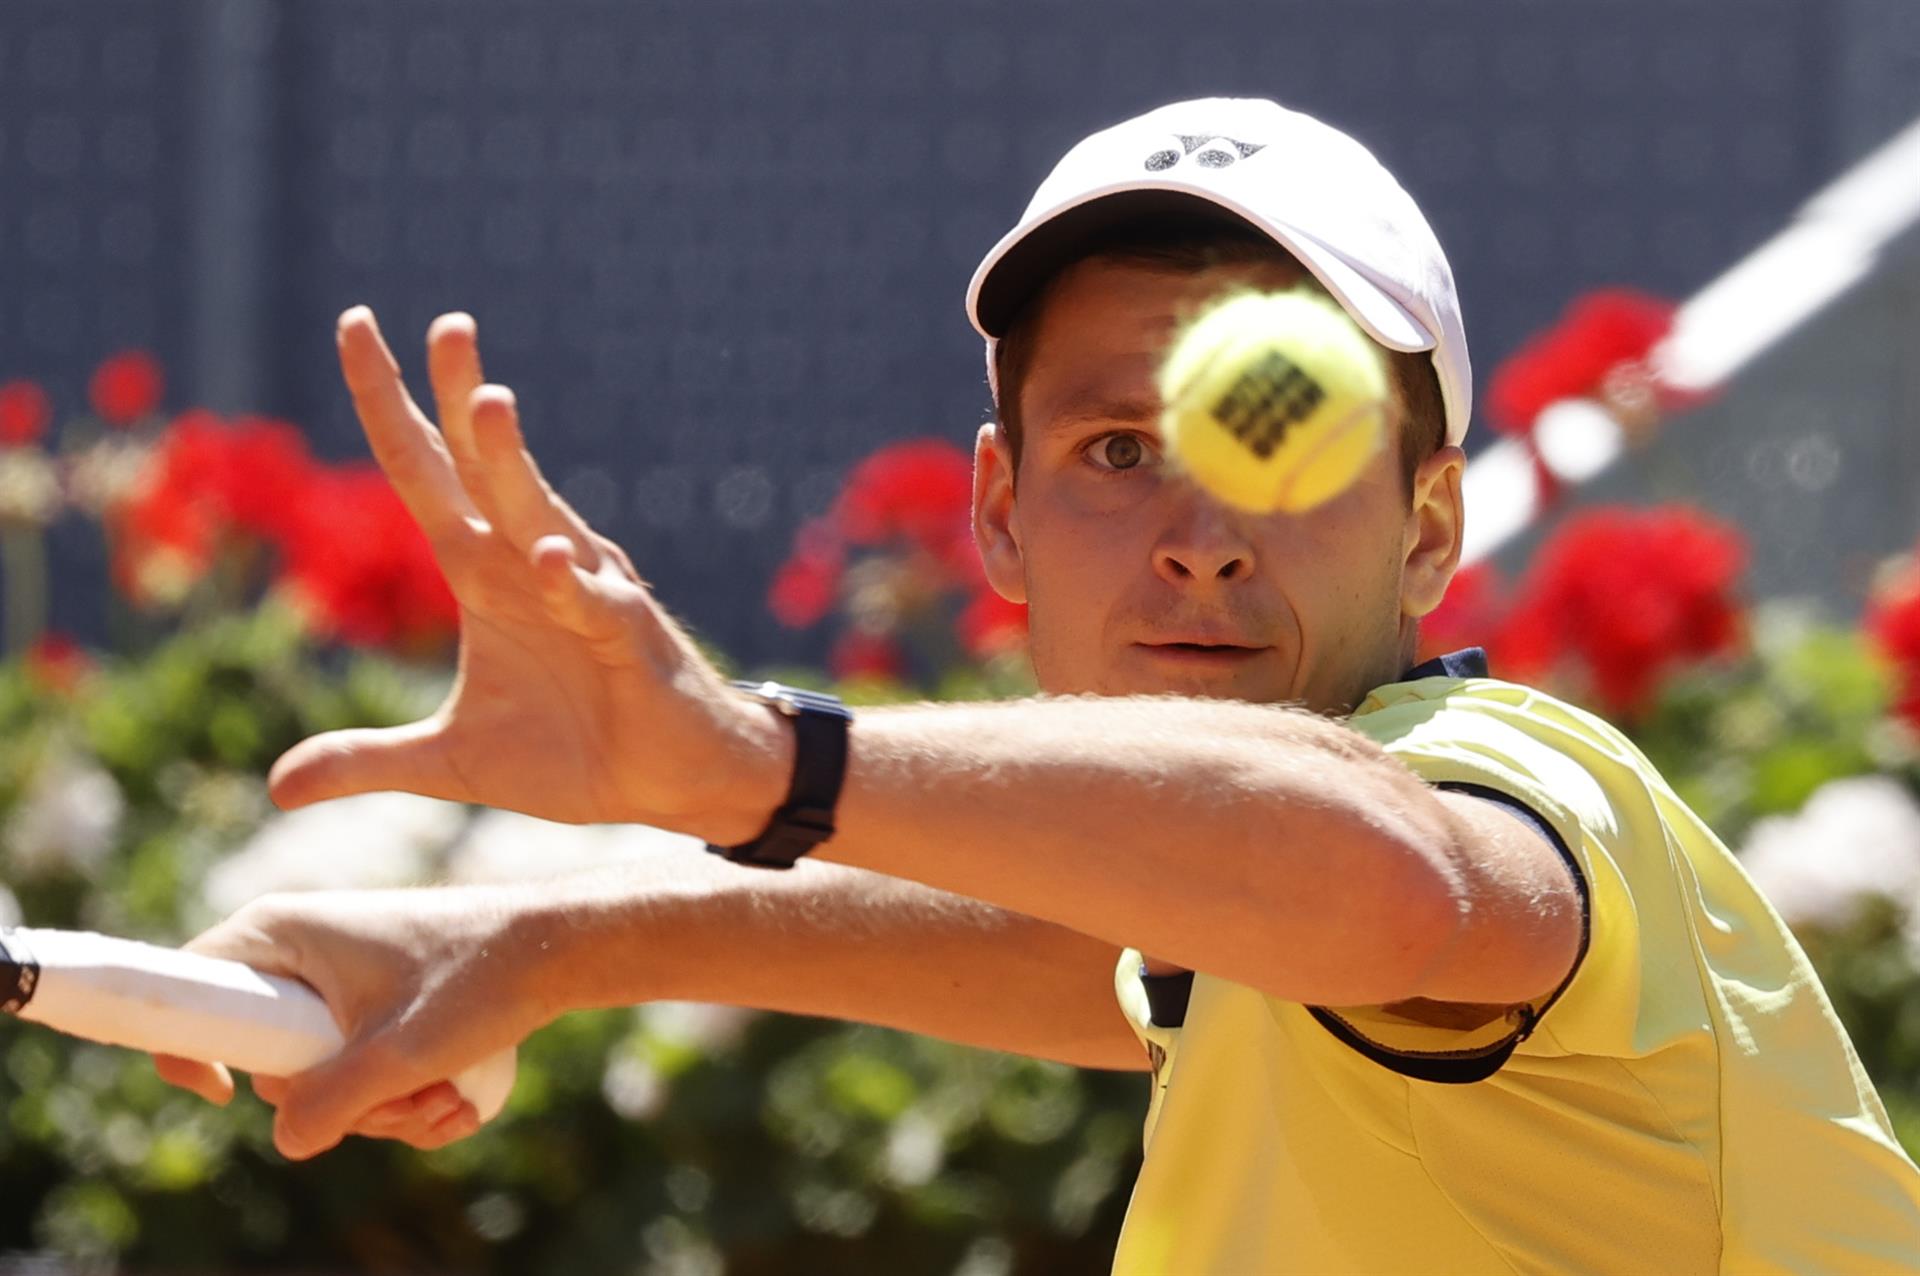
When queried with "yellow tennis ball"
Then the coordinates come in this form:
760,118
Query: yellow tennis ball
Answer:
1273,400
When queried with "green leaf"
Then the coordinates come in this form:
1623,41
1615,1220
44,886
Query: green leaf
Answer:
870,1086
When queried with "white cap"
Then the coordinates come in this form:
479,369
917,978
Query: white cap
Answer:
1321,195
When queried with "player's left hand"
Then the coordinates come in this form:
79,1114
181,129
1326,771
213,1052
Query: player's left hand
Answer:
577,697
423,985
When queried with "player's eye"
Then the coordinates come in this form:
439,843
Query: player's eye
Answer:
1116,452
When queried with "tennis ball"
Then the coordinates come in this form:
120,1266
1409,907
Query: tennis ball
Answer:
1274,401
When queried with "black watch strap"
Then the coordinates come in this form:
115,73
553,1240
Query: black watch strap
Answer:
805,819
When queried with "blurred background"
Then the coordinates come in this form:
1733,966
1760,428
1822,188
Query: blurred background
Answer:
720,250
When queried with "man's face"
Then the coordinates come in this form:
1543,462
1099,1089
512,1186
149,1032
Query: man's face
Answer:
1136,581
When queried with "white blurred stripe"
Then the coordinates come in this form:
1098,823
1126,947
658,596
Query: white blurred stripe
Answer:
1502,494
1577,439
1751,307
1833,242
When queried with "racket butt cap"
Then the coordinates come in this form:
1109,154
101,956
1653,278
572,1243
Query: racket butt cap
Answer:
19,973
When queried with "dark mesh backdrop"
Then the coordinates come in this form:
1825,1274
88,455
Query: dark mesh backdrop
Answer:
719,247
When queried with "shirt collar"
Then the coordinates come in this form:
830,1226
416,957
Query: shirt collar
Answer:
1468,662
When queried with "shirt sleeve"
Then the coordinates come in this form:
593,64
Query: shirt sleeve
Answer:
1633,987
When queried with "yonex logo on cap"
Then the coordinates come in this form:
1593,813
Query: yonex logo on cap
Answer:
1209,156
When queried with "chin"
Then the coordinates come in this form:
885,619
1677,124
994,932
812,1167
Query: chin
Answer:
1248,691
1255,679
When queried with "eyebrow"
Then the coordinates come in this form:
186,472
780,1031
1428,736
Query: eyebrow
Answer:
1134,408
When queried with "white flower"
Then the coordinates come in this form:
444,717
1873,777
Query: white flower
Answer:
504,846
632,1087
706,1027
66,820
29,488
916,1148
371,840
1855,839
106,473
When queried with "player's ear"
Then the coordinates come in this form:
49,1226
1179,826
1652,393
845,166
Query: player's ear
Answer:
996,529
1435,523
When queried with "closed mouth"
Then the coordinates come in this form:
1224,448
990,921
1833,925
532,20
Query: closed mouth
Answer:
1206,646
1203,650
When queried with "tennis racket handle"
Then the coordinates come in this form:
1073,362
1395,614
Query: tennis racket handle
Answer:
166,1001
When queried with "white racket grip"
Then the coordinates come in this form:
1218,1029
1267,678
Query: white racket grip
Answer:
125,993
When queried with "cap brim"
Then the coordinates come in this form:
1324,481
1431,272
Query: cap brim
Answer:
1031,253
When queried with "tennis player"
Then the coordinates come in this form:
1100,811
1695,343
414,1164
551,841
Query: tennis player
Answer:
1432,973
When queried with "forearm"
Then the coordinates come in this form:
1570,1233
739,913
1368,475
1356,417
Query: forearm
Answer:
831,940
1263,844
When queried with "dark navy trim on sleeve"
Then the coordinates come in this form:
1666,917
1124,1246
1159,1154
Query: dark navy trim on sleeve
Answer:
1539,824
1167,996
1449,1067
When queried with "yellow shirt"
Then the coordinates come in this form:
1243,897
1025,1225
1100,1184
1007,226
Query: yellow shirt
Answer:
1688,1102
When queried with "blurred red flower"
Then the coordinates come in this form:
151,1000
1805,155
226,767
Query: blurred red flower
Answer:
915,496
990,624
126,387
207,482
167,530
348,549
361,567
920,491
857,654
1626,598
909,508
1892,622
266,475
25,413
808,583
1598,333
1470,615
56,663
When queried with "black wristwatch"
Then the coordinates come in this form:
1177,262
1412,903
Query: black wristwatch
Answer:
805,819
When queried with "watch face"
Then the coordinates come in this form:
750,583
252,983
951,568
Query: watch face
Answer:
771,694
792,701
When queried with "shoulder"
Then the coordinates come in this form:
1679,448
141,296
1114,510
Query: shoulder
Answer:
1639,856
1568,766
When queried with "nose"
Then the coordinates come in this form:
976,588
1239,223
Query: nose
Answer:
1205,544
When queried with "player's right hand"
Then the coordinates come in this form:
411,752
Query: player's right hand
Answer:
577,697
423,984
